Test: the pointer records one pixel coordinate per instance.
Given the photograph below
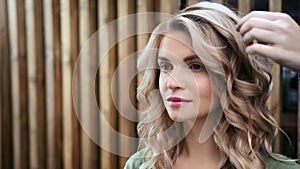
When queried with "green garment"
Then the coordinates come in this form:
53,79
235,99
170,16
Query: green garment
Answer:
135,161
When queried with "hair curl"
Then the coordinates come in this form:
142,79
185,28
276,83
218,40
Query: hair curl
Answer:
246,124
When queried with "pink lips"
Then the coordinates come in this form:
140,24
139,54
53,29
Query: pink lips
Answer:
177,101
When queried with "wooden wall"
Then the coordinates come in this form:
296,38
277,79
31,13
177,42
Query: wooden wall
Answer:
40,41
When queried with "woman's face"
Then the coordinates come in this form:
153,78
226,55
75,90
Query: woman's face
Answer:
183,82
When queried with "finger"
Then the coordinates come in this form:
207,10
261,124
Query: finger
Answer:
258,14
262,50
260,35
257,23
274,53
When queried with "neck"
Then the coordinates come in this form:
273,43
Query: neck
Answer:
202,153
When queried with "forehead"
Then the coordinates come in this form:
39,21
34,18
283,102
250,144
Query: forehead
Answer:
176,43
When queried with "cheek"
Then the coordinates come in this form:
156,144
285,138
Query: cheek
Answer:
161,83
204,89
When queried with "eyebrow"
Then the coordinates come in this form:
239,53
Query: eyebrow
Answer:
162,58
186,59
191,58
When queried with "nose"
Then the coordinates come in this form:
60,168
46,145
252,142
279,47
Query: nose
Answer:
175,83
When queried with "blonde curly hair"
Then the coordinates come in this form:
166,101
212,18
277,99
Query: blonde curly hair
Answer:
246,124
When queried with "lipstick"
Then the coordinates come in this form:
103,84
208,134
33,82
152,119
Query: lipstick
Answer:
177,101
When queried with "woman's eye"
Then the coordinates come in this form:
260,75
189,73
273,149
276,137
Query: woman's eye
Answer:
196,67
165,67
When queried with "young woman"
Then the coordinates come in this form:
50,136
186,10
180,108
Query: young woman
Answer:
204,97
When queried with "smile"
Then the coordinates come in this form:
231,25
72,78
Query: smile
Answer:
177,101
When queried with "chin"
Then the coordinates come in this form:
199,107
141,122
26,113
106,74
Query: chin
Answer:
175,117
178,118
184,118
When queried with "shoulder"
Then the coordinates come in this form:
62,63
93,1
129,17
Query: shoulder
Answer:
280,162
135,161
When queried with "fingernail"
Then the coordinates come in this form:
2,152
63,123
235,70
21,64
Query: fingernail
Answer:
237,27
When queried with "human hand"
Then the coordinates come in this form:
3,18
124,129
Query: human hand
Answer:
277,34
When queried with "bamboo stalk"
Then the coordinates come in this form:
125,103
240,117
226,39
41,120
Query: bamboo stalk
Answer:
23,80
169,6
32,87
191,2
126,48
70,47
57,84
84,107
53,82
106,14
6,155
36,83
274,101
244,6
13,35
66,83
48,26
74,45
88,121
219,1
145,23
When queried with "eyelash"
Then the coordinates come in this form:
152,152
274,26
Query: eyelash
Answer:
199,68
166,67
162,65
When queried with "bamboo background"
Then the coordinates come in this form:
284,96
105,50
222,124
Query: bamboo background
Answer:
40,41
